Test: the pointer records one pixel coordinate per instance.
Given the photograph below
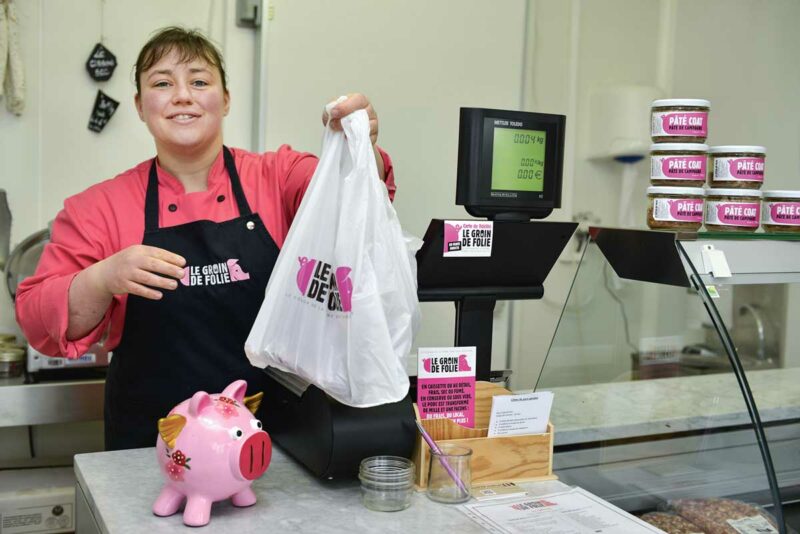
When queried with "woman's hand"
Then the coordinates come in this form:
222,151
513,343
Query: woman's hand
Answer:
354,102
138,270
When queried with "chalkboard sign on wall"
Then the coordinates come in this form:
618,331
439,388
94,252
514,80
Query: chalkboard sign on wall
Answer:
104,108
101,63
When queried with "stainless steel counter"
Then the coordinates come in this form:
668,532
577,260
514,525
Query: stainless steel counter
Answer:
50,402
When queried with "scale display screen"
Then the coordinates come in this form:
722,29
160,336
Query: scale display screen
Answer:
518,160
510,163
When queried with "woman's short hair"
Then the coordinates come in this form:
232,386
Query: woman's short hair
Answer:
189,44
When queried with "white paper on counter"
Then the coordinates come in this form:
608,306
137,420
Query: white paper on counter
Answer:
572,512
516,415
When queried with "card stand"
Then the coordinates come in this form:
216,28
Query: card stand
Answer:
526,458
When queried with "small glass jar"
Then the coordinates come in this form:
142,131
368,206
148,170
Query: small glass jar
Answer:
8,339
675,208
450,474
679,120
780,212
387,483
12,361
678,164
732,210
736,166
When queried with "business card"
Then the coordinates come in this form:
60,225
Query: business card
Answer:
515,415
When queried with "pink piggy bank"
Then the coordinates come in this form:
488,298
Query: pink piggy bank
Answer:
211,448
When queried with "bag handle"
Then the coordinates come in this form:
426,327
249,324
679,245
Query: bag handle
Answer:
332,104
358,134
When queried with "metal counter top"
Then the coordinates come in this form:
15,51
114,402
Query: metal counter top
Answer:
50,402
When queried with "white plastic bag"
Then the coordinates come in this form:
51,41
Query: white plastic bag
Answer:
341,307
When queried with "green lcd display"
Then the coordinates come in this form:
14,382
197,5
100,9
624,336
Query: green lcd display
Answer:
518,160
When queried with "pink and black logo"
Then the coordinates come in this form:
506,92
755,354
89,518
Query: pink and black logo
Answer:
214,274
320,282
452,237
446,364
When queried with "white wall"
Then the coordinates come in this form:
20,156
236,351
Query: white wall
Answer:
48,153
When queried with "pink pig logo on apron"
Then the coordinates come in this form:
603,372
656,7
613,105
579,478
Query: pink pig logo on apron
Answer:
215,274
236,272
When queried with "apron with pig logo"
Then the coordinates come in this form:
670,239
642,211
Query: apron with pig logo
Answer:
191,339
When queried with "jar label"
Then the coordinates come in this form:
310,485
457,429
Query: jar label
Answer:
680,123
739,169
782,213
678,209
747,214
678,168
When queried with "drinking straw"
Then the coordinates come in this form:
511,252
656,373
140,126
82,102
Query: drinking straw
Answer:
435,448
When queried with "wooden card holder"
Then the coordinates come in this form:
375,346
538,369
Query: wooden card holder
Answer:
525,458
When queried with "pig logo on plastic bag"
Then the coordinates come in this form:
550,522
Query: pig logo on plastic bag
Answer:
319,282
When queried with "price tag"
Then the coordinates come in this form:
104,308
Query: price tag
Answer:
715,262
752,525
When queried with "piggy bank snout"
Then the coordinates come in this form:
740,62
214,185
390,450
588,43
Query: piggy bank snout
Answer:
255,455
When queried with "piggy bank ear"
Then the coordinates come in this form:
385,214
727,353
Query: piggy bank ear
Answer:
169,427
200,401
236,390
253,402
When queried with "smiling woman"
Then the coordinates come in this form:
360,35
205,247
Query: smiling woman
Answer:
129,258
182,96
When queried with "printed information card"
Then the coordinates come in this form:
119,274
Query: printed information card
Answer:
446,384
570,512
468,239
515,415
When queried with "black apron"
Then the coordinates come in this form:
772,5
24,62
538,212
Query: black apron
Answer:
193,338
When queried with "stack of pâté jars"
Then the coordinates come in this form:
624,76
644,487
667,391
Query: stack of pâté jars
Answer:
681,163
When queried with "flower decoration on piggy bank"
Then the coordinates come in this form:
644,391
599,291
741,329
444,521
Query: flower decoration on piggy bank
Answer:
211,448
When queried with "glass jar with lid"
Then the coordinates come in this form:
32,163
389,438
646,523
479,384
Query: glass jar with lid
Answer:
733,210
675,208
678,164
679,120
736,166
780,212
12,360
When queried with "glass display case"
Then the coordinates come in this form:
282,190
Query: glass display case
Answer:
676,371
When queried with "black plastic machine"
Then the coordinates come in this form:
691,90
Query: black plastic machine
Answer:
510,171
